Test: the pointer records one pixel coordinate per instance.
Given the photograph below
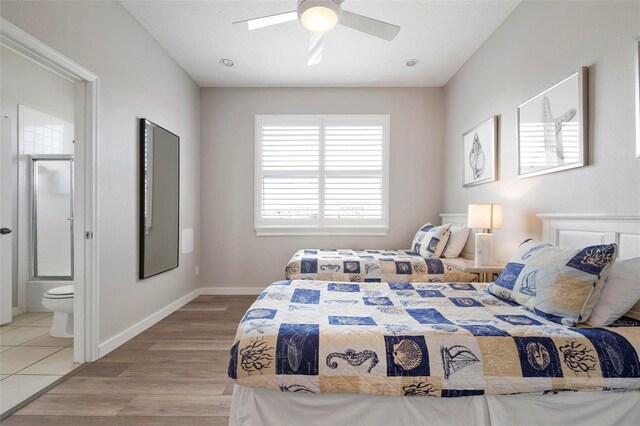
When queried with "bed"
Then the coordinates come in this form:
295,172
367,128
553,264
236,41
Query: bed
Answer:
377,265
370,266
353,353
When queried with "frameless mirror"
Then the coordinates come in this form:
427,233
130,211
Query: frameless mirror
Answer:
159,199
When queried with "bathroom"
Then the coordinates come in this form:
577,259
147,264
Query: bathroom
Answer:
37,219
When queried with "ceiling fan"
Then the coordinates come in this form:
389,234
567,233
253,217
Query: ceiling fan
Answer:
320,17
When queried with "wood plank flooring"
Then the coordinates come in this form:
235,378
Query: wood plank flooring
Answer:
174,373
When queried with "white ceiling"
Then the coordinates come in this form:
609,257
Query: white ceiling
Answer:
441,34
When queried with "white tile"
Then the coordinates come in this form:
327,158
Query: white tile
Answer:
15,389
47,340
29,318
6,328
21,335
60,363
5,348
44,322
20,357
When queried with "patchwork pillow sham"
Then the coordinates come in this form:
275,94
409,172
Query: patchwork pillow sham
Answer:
561,284
431,240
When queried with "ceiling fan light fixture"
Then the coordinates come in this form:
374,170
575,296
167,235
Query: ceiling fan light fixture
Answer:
319,16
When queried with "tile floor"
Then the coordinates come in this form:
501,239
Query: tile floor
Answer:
30,359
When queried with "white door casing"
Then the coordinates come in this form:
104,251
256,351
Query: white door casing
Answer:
6,219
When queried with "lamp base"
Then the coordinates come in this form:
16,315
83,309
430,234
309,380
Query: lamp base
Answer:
484,249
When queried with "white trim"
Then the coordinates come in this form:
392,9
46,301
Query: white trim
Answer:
302,230
131,332
317,226
231,291
588,216
86,293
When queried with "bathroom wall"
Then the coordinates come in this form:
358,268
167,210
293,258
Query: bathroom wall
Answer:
45,97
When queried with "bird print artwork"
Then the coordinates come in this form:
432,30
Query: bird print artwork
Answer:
477,158
553,144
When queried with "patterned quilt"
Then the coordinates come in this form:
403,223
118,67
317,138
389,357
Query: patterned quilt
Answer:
398,266
412,339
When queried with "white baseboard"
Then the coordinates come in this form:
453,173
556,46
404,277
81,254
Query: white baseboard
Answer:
131,332
231,291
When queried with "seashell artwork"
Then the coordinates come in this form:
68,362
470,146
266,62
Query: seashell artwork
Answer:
351,266
407,354
477,158
538,356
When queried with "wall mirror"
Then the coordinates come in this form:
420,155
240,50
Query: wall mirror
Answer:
159,199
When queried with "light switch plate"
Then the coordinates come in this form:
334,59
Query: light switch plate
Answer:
187,240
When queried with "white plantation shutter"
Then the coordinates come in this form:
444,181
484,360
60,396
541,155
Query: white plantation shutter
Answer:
322,174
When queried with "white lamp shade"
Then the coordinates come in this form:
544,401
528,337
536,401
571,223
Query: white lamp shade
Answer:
485,216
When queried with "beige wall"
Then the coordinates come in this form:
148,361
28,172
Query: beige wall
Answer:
137,79
233,255
538,45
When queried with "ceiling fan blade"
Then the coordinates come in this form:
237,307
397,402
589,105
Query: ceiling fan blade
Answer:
370,26
266,21
315,49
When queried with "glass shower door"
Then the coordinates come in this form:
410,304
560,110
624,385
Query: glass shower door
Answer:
52,217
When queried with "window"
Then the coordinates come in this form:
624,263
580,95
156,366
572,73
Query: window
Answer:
325,175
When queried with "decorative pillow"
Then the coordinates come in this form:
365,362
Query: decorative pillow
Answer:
619,293
558,283
457,240
430,240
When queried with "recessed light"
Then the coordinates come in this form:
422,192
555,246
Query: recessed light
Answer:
227,62
412,62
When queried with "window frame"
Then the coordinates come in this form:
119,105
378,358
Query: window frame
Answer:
270,228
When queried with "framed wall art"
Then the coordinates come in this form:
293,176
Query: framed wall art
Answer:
553,128
480,153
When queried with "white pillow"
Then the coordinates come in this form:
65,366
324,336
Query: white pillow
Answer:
430,240
457,240
620,292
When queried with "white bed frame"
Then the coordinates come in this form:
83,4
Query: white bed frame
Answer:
581,230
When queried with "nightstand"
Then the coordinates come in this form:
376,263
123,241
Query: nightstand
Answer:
485,273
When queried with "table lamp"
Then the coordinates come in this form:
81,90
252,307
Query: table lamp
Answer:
485,217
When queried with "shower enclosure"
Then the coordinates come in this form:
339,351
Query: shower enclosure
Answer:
51,217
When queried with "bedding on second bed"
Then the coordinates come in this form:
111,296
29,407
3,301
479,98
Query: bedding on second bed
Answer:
370,266
421,339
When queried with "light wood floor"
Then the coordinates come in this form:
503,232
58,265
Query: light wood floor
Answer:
175,373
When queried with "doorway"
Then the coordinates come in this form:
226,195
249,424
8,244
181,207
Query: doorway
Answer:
48,215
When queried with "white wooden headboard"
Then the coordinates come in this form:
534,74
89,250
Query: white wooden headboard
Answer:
580,230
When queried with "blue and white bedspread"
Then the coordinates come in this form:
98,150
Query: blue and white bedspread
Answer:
445,340
370,266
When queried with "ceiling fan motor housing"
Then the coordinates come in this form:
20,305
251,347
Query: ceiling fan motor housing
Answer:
333,5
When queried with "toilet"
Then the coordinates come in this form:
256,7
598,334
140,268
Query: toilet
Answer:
60,301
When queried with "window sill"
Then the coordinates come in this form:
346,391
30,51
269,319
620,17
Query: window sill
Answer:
274,231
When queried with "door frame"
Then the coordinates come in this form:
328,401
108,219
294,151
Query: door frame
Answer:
87,87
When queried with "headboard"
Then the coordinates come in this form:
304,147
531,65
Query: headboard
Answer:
580,230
